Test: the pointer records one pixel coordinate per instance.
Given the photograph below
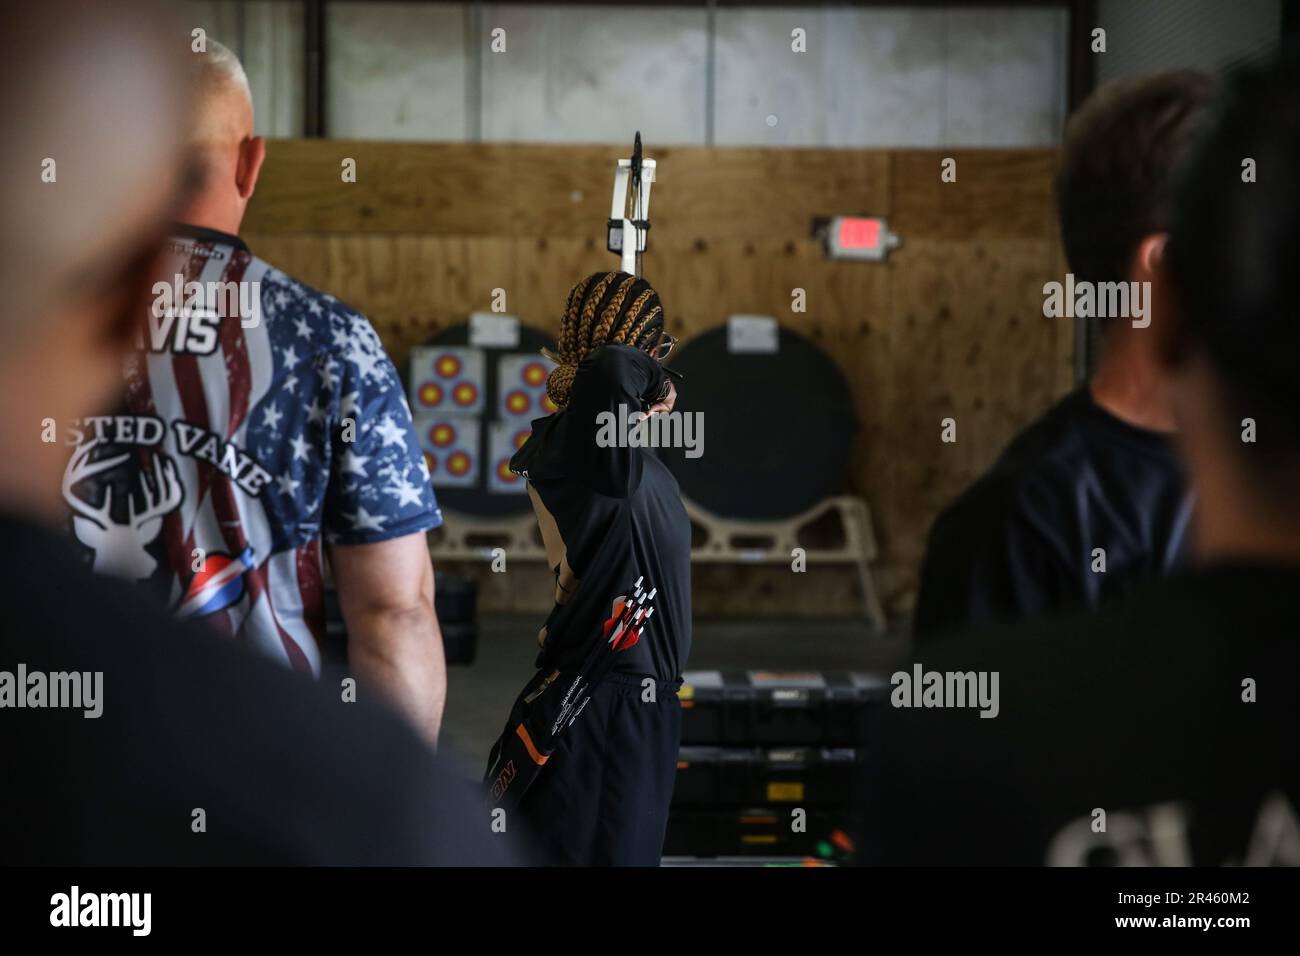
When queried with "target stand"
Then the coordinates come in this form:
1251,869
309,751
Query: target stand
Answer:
837,530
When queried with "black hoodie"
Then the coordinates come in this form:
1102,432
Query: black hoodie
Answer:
612,519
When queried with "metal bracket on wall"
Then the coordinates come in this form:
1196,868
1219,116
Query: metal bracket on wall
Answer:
313,64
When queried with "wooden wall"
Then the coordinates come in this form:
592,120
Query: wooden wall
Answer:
952,325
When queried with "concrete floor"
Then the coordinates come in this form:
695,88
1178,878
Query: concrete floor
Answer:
479,695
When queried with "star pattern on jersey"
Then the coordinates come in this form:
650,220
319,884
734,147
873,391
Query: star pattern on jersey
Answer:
271,416
298,430
315,412
335,429
391,432
301,450
365,521
405,491
348,404
354,464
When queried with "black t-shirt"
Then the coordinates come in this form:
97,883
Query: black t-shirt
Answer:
612,519
283,771
1137,711
1021,540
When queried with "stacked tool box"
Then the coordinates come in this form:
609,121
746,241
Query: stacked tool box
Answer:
772,764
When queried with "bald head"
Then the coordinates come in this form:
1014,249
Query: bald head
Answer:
222,108
221,140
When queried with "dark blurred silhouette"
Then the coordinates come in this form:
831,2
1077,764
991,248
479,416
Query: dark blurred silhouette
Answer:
199,753
1096,481
1162,730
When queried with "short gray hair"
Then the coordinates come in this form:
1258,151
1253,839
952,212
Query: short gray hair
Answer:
215,74
220,63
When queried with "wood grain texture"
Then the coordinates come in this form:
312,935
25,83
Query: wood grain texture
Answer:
950,326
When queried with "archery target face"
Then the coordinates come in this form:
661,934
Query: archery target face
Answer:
450,445
504,439
521,387
447,380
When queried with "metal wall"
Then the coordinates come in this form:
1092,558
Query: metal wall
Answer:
870,76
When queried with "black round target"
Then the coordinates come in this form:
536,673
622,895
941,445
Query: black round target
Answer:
778,426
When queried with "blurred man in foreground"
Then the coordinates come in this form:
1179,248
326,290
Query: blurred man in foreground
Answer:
1163,729
126,737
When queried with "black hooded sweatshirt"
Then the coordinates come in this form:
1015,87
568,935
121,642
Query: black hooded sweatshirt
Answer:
612,519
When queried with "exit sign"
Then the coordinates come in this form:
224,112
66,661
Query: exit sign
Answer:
859,237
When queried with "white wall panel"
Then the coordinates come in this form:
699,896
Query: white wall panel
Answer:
594,74
268,39
395,71
876,76
1005,77
870,77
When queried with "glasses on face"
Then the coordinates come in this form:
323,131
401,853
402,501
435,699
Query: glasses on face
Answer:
664,348
661,351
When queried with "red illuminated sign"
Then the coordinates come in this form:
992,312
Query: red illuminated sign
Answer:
864,238
859,233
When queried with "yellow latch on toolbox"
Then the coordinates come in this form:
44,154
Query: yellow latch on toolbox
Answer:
779,791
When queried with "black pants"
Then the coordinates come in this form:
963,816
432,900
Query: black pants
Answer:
602,798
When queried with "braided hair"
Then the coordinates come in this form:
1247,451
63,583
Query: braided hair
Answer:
603,309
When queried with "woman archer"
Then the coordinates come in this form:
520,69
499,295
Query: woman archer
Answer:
589,754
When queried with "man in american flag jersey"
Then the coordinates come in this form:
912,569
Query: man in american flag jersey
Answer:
264,417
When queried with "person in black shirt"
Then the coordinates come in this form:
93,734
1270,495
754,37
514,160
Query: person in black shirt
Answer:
1090,500
126,737
196,732
1162,730
618,539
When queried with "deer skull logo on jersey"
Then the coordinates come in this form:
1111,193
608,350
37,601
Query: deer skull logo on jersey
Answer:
121,547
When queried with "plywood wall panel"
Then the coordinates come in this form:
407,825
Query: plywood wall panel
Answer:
451,189
969,343
556,191
997,193
950,326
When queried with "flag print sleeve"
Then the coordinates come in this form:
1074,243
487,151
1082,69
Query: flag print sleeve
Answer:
379,484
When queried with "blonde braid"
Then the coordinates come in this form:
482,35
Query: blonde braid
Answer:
560,383
635,338
576,321
589,312
568,344
581,332
633,313
600,334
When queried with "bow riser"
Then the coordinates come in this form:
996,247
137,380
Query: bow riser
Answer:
629,213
